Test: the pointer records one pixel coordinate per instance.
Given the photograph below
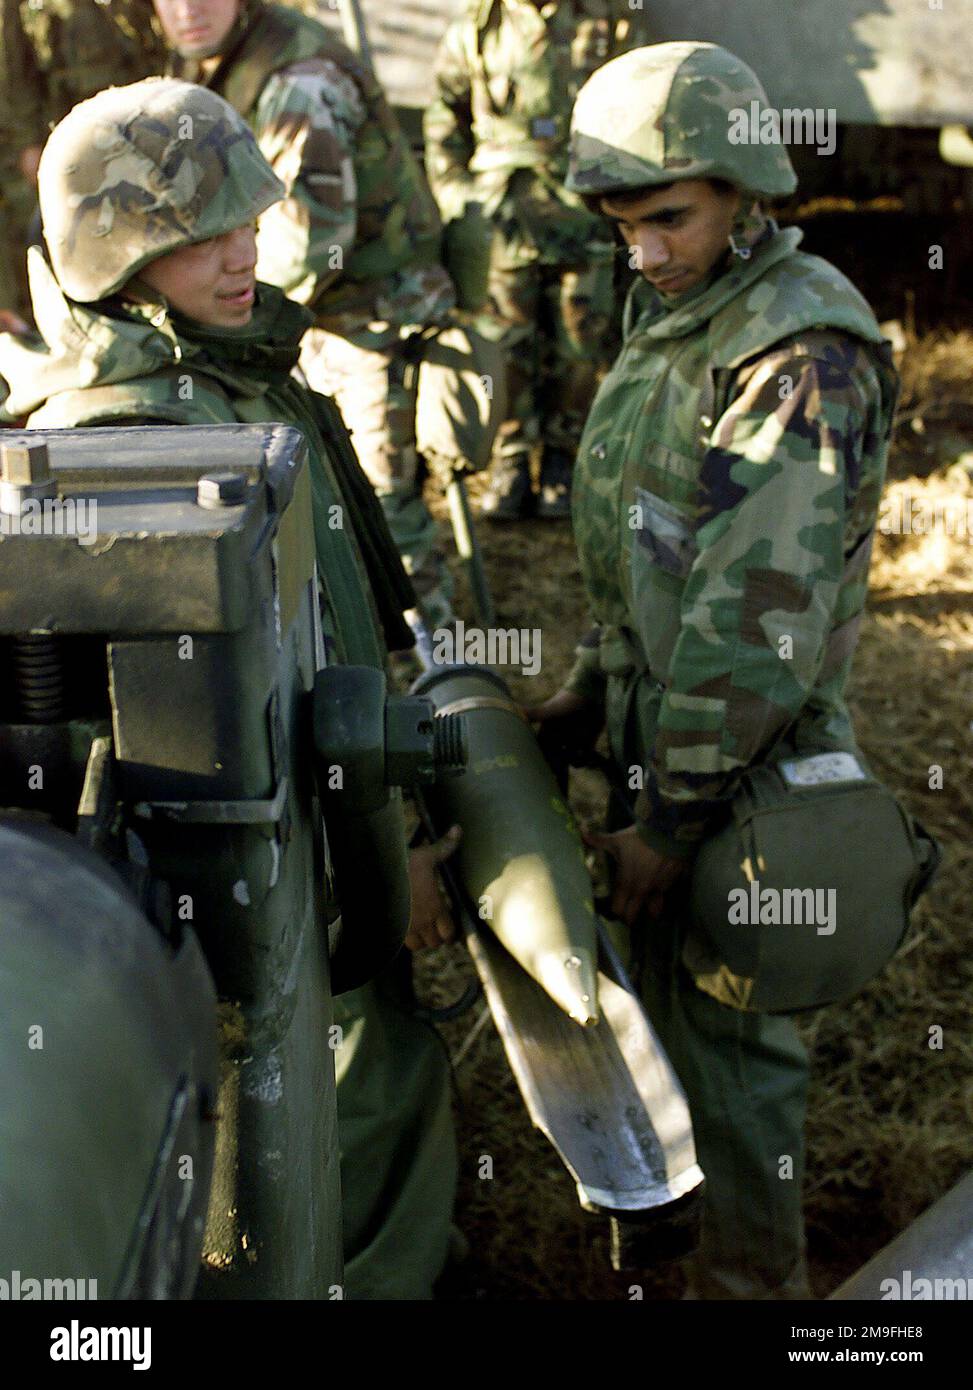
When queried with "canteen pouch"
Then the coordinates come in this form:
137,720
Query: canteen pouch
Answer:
805,894
467,242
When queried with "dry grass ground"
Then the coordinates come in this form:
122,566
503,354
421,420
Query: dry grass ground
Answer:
890,1124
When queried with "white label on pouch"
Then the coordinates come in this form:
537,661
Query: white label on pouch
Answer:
823,767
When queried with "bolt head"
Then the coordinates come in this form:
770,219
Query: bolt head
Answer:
227,489
24,462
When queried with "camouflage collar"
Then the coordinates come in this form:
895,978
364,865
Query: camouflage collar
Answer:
261,354
648,312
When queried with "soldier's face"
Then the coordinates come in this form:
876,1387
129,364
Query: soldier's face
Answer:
196,28
676,234
212,282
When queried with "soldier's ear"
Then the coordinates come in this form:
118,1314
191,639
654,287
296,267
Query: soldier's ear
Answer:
749,224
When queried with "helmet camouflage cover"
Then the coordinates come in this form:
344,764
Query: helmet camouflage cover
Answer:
138,171
665,113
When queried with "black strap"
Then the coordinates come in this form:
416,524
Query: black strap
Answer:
391,586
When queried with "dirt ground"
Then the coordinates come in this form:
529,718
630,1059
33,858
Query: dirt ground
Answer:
890,1123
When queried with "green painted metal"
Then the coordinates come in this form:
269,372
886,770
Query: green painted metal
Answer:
107,1079
177,742
367,746
521,858
930,1260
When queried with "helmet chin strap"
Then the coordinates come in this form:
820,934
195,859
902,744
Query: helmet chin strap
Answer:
748,227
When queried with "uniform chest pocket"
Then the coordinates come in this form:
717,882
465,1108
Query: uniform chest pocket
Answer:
663,552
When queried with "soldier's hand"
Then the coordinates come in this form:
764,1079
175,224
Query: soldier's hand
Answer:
431,923
643,876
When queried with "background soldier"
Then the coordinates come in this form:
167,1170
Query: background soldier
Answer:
356,239
496,151
53,54
133,303
726,491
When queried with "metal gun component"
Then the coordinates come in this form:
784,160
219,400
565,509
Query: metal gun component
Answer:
157,722
936,1249
226,489
25,474
108,1041
366,743
39,676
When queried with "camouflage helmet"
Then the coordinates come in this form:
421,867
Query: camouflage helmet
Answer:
669,112
138,171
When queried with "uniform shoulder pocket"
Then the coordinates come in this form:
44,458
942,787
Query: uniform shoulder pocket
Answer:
665,533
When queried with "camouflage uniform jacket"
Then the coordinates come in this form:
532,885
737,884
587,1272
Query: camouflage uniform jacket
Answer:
147,366
53,54
725,495
507,75
357,238
56,53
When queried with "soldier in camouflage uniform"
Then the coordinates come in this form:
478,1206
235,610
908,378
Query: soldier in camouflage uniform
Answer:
149,312
726,493
496,153
53,54
356,239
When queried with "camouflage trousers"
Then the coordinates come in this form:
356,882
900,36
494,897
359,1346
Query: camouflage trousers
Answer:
558,340
368,374
745,1076
398,1150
